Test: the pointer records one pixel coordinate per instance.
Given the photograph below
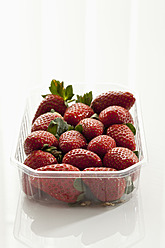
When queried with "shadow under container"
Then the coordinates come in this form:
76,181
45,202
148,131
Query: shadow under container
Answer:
78,187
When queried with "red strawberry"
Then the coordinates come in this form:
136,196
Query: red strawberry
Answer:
60,188
38,158
129,118
113,115
120,158
50,102
76,112
123,136
70,140
82,158
91,128
105,189
37,139
113,98
101,144
56,100
43,121
35,160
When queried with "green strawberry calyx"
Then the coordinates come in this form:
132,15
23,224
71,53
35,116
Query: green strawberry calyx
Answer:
52,111
86,98
82,199
53,150
131,127
95,116
78,128
78,184
136,153
57,88
59,126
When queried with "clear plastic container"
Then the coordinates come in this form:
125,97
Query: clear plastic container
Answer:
130,176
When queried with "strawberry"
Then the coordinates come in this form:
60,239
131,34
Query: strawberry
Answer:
114,115
37,139
101,144
60,188
120,158
39,158
57,100
105,189
70,140
34,160
113,98
76,112
129,118
43,121
82,158
50,102
123,136
91,128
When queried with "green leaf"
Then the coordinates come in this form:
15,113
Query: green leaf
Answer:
53,150
45,146
131,126
61,89
78,184
54,87
52,128
71,127
68,93
136,153
57,88
129,189
79,200
58,126
79,128
86,98
95,116
44,95
62,126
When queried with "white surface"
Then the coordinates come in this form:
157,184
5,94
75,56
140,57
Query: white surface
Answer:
41,40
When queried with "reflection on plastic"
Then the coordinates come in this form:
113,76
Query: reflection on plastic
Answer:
43,225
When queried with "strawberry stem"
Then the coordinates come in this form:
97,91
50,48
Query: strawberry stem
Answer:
52,111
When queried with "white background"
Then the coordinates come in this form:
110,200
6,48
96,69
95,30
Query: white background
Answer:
92,41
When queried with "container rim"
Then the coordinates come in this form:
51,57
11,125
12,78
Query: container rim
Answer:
64,174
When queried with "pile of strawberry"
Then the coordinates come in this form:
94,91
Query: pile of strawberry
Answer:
88,135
